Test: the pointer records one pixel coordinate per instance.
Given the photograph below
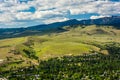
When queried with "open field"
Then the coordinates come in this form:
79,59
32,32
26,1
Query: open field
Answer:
74,41
7,44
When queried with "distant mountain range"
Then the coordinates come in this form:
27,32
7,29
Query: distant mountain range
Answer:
110,21
11,32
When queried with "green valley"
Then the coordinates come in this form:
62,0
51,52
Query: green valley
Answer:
78,40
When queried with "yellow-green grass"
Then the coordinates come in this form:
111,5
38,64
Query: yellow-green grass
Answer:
64,43
4,52
76,41
54,49
7,44
12,41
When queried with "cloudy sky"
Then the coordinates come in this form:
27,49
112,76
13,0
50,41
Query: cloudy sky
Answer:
14,14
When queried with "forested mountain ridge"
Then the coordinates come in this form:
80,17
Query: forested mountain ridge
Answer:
38,29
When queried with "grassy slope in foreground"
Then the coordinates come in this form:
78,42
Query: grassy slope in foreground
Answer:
76,41
85,67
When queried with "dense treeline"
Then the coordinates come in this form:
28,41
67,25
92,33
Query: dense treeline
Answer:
94,66
86,67
113,48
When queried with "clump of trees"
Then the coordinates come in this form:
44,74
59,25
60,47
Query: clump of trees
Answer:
85,67
113,48
26,49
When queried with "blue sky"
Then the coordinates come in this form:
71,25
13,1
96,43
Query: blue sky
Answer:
34,12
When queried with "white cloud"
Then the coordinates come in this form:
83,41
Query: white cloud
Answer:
23,16
96,17
48,11
57,19
6,17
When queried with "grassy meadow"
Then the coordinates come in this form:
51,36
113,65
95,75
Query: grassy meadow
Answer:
76,40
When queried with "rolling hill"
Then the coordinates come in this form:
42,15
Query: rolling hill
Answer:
41,29
76,39
91,45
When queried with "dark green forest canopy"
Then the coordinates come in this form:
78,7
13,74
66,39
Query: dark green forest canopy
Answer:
95,67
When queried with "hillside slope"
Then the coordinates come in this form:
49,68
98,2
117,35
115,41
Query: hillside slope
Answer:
73,39
41,29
